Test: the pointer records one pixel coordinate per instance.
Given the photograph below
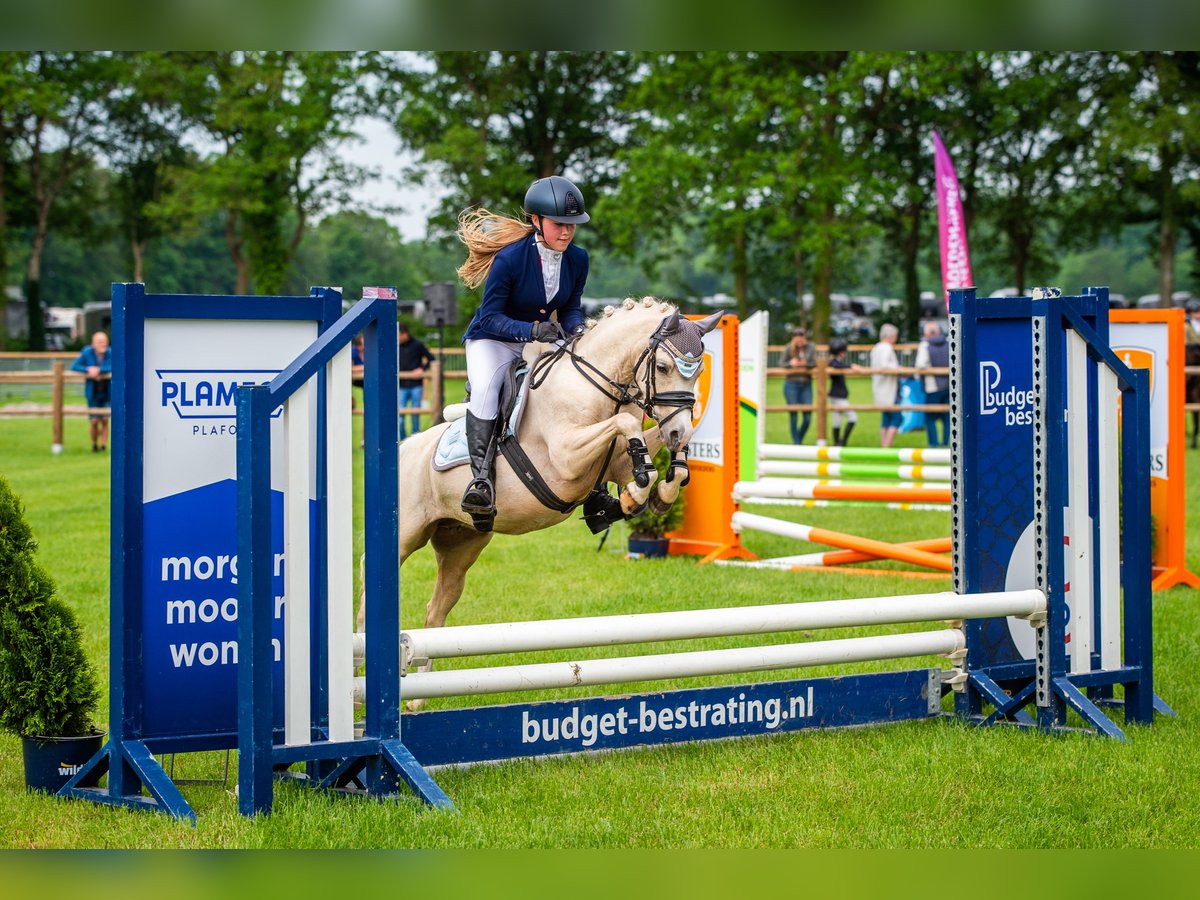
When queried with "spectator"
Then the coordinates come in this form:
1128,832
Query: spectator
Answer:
96,363
839,396
356,362
934,352
886,388
1191,331
801,356
414,359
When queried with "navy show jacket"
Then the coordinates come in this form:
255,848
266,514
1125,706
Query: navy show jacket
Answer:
514,295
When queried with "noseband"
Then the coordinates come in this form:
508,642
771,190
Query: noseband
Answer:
625,394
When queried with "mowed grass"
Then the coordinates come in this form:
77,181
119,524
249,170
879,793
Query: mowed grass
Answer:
914,785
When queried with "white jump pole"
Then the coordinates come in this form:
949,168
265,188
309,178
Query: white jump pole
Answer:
297,722
635,628
340,527
856,454
1108,396
544,676
1080,522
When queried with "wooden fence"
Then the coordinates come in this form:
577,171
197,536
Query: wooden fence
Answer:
51,368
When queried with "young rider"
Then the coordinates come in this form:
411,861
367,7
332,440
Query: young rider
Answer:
531,271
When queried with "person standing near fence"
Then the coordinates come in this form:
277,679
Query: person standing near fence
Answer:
801,356
414,360
1191,330
885,388
96,363
839,394
934,352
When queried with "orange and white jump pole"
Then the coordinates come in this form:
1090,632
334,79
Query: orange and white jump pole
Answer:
880,549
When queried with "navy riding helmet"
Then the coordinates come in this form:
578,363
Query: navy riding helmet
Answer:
557,199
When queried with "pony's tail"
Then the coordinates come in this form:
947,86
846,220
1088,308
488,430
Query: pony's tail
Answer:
486,234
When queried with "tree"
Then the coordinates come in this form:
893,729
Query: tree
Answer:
489,123
147,127
1149,140
13,88
1036,148
56,119
691,159
277,118
900,117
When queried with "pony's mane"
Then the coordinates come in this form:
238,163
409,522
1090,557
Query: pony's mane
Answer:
647,308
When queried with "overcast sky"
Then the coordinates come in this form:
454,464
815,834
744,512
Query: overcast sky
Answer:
380,150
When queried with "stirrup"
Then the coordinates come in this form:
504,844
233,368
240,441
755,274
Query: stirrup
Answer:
479,498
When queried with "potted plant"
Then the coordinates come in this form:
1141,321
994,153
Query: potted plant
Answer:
648,529
48,687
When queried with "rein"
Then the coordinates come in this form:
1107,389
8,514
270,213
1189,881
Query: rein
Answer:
622,395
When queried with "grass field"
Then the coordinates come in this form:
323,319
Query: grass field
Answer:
916,785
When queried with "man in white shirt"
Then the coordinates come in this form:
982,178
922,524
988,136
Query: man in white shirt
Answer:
885,387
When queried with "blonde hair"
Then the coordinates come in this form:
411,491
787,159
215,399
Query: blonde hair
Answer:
486,234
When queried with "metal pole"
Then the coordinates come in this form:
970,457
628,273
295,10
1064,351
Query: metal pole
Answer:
501,679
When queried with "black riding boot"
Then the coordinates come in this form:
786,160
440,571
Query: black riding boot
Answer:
480,497
846,434
837,437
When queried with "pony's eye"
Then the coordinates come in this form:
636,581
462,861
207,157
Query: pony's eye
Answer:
662,367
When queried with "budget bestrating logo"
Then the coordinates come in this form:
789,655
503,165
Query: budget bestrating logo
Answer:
1017,405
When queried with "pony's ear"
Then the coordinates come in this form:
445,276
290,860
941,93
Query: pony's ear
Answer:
708,324
670,324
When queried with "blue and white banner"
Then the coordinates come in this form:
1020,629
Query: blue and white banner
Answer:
191,371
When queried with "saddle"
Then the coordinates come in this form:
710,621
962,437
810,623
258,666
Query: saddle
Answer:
451,450
600,509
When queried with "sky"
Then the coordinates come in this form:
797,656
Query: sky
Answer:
380,149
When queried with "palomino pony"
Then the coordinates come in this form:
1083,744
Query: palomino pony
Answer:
582,426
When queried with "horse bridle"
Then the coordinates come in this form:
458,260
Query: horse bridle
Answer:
645,398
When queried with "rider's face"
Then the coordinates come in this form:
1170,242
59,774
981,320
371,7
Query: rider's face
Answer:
556,235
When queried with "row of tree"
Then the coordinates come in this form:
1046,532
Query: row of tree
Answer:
778,168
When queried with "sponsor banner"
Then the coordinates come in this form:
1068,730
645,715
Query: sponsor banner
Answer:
1153,339
1002,407
189,569
1146,345
441,737
952,227
713,451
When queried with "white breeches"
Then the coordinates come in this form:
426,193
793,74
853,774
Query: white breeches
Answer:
487,361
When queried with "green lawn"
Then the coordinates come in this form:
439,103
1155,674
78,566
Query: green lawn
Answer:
916,785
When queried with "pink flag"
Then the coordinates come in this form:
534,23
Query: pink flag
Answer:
952,231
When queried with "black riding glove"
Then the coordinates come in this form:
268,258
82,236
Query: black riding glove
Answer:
546,331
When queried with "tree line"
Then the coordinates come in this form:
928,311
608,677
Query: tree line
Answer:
778,174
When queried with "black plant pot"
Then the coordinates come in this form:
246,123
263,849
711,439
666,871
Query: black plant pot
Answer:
640,548
50,762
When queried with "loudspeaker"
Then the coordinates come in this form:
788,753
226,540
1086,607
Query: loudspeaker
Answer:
440,303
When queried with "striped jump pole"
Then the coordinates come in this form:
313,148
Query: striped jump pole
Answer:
854,470
882,549
843,504
907,455
839,557
813,490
